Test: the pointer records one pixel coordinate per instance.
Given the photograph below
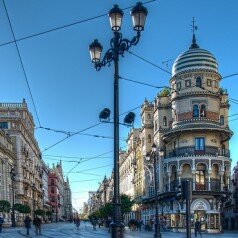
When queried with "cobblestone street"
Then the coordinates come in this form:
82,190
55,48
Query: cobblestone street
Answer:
63,230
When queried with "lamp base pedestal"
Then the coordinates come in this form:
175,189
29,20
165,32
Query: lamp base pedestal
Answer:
157,236
118,230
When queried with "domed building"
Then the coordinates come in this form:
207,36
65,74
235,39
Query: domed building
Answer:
191,124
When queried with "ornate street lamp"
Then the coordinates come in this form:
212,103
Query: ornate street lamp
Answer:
118,47
33,197
13,178
152,158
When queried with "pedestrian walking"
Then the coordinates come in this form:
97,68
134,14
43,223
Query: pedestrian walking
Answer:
198,228
109,221
99,222
139,224
1,222
37,223
94,223
77,222
27,222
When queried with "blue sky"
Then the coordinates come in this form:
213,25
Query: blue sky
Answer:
69,93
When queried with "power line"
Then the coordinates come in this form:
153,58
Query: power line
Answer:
162,87
87,180
68,136
70,157
99,167
146,84
68,133
72,168
66,26
20,58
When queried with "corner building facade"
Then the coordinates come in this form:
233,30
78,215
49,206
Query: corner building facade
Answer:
191,124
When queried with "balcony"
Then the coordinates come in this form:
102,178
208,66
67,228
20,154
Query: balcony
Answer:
191,151
215,185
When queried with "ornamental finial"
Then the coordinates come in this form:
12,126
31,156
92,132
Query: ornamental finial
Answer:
194,45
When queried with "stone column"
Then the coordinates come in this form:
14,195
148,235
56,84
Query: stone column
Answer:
221,180
194,179
209,180
169,175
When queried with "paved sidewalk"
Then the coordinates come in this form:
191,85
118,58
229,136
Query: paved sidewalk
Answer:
68,230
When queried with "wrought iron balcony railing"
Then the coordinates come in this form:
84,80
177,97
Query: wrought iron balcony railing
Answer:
192,151
215,185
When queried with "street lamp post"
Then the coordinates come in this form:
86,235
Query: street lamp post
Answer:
13,178
33,197
152,158
118,47
43,203
57,206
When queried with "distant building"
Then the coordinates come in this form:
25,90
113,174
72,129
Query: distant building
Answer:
7,163
67,200
59,194
17,121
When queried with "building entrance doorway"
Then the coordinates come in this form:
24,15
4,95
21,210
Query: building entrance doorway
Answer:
201,215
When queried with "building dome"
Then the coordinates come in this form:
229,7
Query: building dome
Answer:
193,59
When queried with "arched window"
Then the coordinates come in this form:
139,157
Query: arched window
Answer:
203,111
222,120
52,181
164,121
199,82
148,116
149,138
195,111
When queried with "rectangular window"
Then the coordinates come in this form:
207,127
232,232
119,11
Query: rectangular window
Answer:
209,82
178,86
200,143
3,125
216,84
188,83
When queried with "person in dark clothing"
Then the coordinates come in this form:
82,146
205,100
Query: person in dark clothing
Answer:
1,222
94,223
37,222
197,228
27,222
77,222
139,224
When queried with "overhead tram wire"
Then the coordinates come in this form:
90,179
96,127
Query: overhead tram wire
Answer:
22,65
161,87
87,180
68,136
66,26
85,170
72,157
96,125
68,133
168,72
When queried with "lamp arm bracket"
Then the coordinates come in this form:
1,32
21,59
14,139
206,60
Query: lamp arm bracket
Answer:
125,44
118,45
107,59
